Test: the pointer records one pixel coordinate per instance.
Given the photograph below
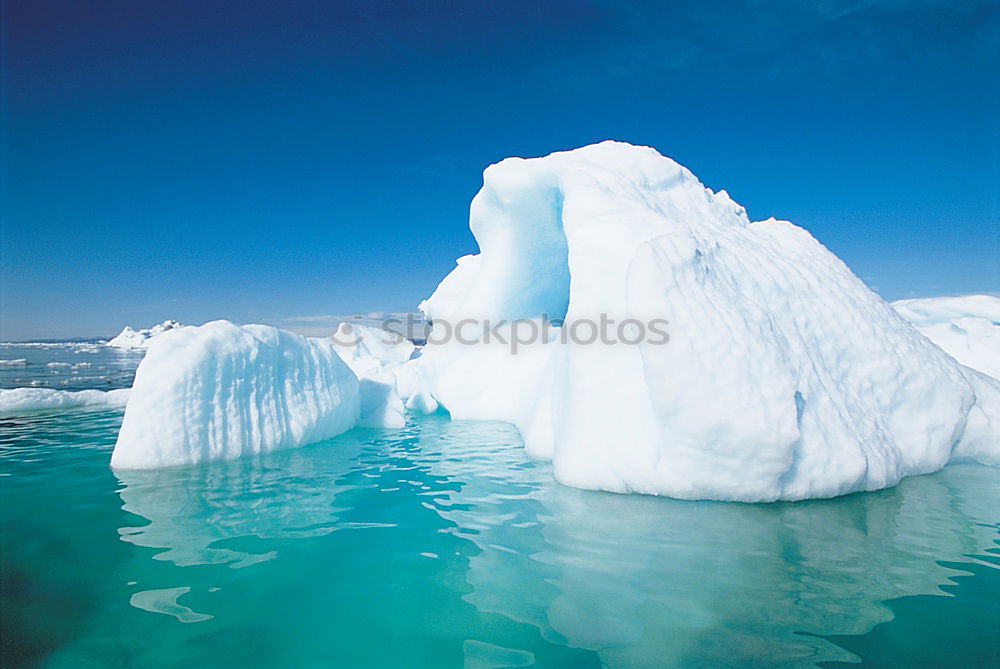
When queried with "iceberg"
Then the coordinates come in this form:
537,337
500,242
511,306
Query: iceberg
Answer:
778,376
374,355
19,401
380,357
221,391
365,348
966,327
129,338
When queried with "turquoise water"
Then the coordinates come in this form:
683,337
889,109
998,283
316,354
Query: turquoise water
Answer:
442,545
67,366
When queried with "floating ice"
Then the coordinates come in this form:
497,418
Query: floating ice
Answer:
129,338
221,391
18,401
365,348
784,376
374,354
967,327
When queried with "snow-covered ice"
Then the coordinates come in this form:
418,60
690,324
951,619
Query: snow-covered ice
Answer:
379,357
966,327
129,338
774,373
221,391
374,354
784,376
365,348
18,401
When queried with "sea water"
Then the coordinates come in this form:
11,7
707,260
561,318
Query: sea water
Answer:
67,366
442,545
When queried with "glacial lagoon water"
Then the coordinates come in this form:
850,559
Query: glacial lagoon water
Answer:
441,545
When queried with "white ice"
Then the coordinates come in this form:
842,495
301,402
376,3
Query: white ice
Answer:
129,338
780,375
18,401
221,391
374,355
966,327
784,376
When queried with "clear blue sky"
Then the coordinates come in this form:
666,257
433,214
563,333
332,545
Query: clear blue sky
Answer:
284,161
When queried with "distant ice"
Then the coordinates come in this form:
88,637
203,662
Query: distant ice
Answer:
966,327
374,355
18,401
129,338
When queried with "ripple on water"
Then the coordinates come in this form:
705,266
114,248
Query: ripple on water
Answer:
441,544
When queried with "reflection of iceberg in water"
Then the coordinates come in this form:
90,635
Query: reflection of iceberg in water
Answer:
480,557
191,510
391,596
165,601
640,579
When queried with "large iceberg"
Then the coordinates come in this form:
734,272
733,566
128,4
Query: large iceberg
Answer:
221,391
967,327
129,338
781,375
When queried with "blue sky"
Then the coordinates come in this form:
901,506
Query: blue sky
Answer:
281,162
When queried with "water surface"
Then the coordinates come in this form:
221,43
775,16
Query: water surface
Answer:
67,366
442,545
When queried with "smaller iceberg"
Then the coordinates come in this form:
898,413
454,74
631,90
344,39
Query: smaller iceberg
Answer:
966,327
129,338
221,391
18,401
